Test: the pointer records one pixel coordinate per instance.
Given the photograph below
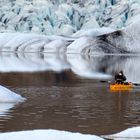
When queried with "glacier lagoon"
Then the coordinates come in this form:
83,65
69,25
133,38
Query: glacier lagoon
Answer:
61,87
66,92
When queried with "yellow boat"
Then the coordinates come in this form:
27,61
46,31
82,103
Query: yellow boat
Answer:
121,87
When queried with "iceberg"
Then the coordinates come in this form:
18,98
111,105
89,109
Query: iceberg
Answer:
44,134
51,134
130,133
8,99
8,96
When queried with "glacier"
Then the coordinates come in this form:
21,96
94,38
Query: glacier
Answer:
65,16
90,42
66,26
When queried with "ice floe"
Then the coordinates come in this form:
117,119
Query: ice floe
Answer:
47,135
43,134
8,96
128,134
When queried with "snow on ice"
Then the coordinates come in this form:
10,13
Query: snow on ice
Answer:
43,134
47,135
130,133
8,96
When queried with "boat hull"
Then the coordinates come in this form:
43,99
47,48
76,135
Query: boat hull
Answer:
121,87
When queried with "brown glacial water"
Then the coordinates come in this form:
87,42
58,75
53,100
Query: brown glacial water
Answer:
79,105
66,101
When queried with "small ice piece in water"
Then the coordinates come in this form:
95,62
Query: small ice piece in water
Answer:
9,96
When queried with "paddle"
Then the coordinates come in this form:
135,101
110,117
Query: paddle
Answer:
136,84
104,81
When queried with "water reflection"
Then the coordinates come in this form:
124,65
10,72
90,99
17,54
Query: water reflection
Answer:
97,67
5,109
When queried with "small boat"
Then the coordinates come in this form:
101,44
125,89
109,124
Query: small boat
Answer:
121,87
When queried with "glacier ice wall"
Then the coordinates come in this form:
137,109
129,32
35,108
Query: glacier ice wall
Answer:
66,26
96,41
65,17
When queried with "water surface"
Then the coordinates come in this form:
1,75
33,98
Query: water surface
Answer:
66,93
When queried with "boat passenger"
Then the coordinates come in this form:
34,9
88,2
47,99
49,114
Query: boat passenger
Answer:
120,78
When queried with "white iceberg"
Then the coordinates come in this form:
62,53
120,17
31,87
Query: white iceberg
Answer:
47,135
128,134
8,99
8,96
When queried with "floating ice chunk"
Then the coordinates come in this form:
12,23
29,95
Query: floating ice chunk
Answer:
130,133
47,135
8,96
